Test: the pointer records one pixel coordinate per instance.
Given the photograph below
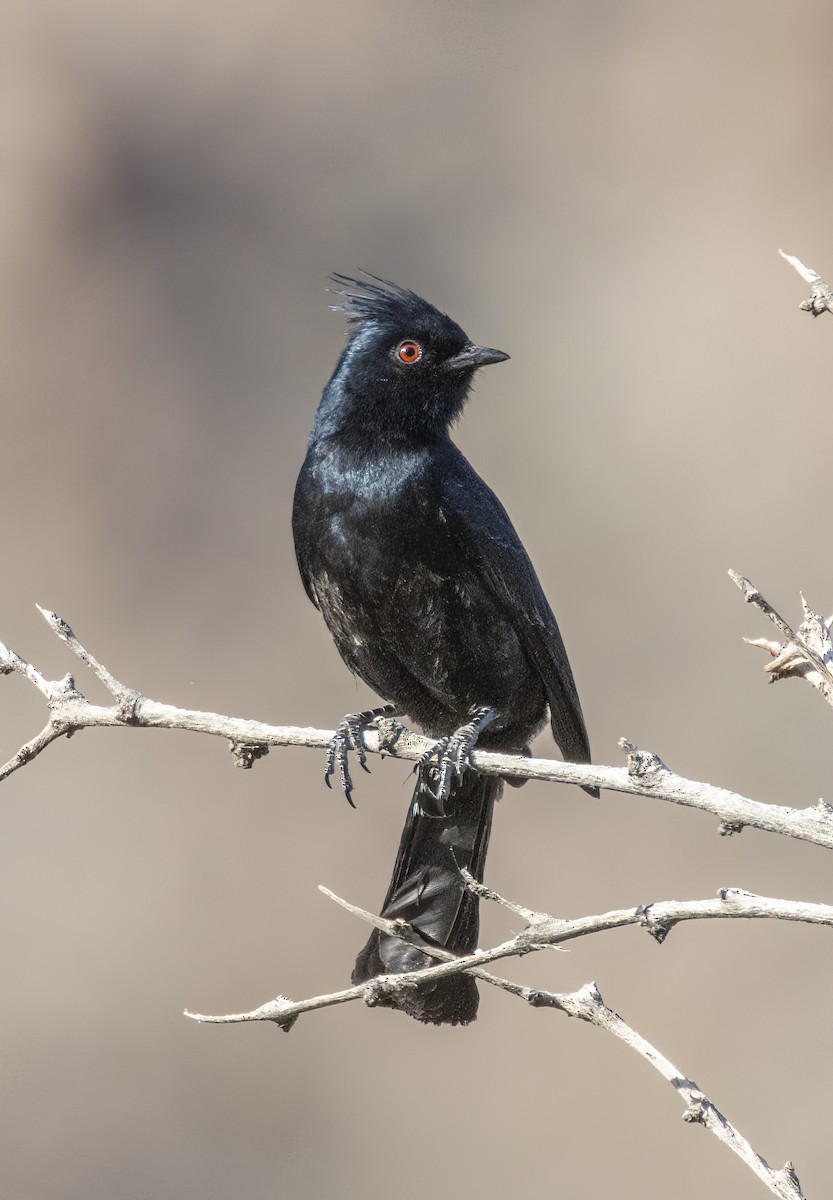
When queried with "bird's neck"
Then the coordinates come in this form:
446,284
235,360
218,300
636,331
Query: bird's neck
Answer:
362,424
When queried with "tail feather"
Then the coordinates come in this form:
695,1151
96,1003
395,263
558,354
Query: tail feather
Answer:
427,890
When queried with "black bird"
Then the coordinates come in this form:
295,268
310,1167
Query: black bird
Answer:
431,599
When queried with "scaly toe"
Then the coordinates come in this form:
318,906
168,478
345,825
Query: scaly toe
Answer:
347,737
452,755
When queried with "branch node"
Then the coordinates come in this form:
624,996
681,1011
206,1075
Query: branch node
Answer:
642,764
695,1112
538,998
63,689
128,706
590,993
247,753
727,828
26,754
659,928
733,893
286,1024
383,989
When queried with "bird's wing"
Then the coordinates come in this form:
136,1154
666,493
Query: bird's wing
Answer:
486,540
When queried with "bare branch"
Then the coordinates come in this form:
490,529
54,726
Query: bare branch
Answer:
586,1003
821,297
62,630
645,774
806,653
545,931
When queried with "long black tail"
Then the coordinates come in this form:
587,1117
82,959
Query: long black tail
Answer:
427,891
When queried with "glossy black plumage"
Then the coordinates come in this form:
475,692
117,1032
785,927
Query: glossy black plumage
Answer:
430,598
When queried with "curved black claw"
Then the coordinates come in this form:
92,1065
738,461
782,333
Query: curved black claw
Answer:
452,754
347,737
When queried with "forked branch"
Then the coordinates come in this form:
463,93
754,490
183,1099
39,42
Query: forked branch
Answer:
546,931
805,653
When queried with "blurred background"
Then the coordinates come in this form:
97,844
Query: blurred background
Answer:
598,188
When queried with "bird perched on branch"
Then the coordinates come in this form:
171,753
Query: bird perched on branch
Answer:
431,599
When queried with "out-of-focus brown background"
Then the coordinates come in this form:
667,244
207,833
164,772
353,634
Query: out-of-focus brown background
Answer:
598,188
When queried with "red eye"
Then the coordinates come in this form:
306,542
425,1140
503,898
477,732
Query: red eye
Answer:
409,352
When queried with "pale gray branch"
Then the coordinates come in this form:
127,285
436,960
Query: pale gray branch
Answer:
806,653
586,1003
545,931
645,774
821,297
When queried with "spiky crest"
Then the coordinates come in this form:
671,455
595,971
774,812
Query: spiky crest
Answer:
381,302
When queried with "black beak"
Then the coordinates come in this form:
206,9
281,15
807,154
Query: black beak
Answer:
474,356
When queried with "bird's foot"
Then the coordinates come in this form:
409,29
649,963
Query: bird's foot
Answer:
347,737
452,755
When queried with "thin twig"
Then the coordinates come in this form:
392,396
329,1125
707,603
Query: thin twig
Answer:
806,652
63,630
821,297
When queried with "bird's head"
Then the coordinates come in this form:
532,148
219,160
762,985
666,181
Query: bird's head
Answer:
406,366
